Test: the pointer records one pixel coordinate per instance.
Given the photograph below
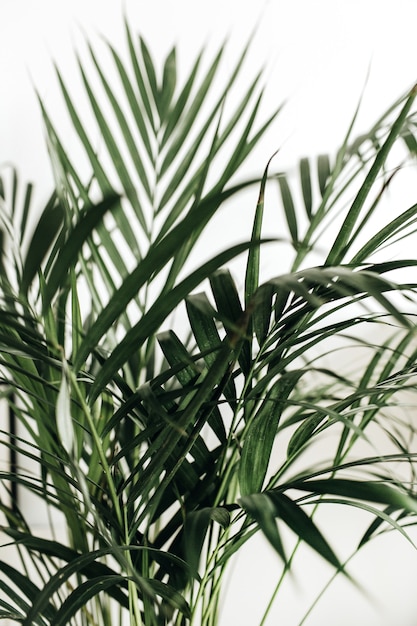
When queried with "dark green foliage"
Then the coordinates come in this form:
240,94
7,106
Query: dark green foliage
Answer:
166,445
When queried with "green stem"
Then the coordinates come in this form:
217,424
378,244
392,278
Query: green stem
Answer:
279,583
97,442
322,592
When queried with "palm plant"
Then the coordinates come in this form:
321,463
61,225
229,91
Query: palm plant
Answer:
165,447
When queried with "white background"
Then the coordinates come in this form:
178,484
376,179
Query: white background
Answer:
317,55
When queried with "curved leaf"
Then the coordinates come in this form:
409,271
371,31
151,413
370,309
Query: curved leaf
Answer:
69,252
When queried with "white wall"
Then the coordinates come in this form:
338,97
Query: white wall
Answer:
317,55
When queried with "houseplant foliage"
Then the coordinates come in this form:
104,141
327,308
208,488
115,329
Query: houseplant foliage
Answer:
165,450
